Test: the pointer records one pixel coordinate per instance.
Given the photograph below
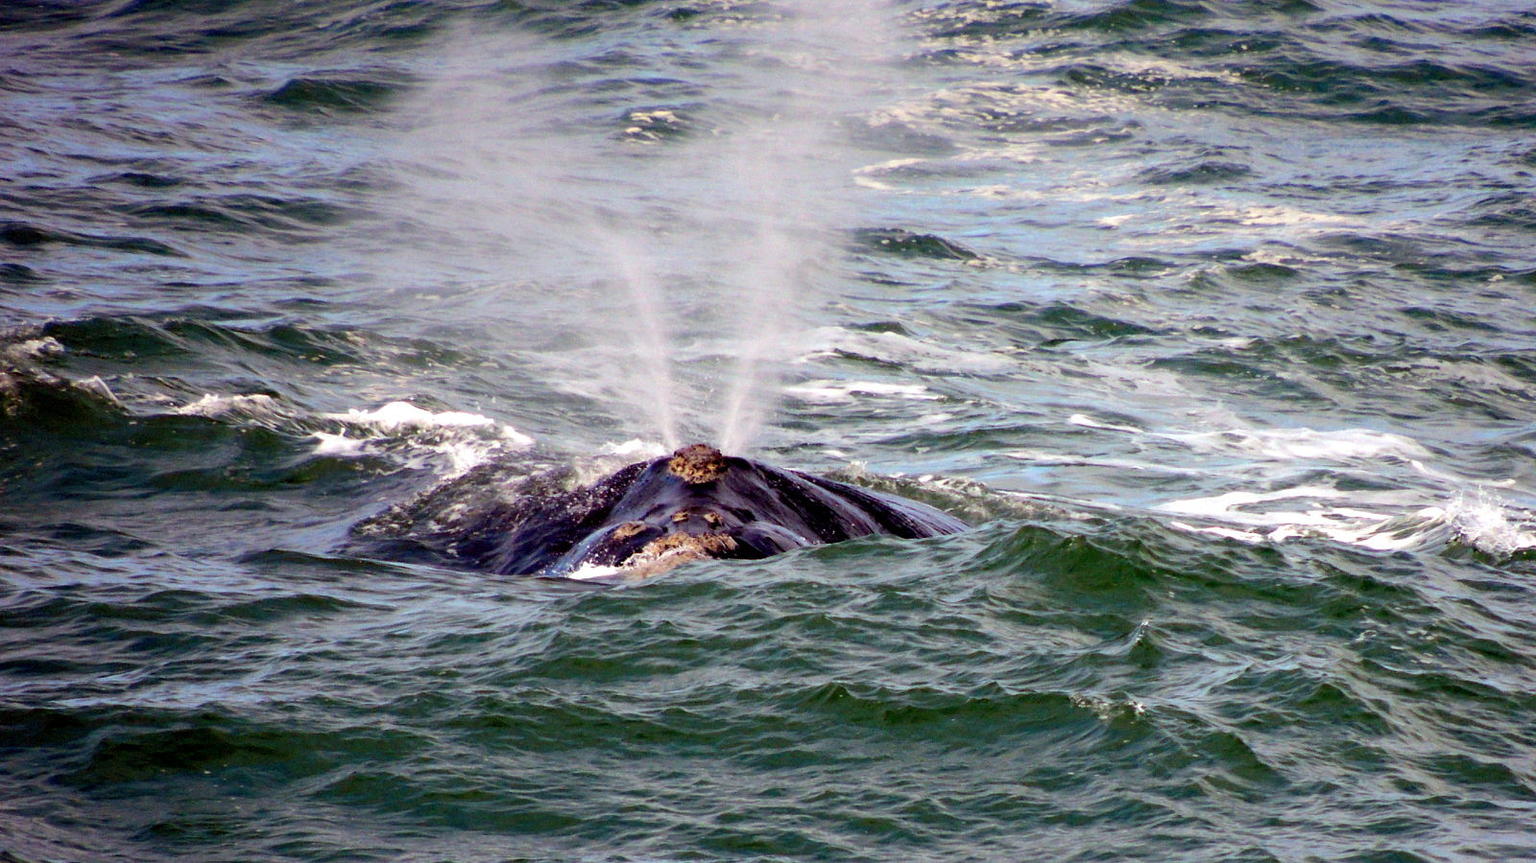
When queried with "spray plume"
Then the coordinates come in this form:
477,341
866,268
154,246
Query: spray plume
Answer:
707,241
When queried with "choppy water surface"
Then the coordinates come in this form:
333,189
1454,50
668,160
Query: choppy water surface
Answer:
1215,318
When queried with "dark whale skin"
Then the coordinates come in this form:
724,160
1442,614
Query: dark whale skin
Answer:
696,503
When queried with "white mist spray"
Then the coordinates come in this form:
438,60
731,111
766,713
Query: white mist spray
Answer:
795,192
508,187
650,253
650,333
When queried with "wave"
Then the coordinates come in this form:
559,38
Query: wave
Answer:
333,94
1293,61
1152,668
1211,315
26,235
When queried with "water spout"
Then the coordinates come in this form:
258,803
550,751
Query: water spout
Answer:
708,240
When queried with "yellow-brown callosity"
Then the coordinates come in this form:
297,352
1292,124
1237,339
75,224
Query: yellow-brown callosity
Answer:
628,529
701,544
697,464
710,517
664,553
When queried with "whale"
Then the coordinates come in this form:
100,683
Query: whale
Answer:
651,516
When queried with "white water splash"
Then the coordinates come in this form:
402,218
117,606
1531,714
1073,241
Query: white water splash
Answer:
1490,524
465,439
398,415
635,448
212,405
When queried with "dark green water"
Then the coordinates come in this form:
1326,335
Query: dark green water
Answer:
1214,318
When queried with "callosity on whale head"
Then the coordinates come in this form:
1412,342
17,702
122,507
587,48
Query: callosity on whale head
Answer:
643,518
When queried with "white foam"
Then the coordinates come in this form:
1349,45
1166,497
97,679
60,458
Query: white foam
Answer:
1089,422
1274,215
589,571
465,439
1305,443
833,392
211,405
634,448
1232,502
337,444
1380,521
399,415
1285,258
1377,531
1484,522
866,176
1289,444
97,387
463,455
900,349
47,346
1044,458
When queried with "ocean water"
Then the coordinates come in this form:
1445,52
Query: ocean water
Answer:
1214,318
